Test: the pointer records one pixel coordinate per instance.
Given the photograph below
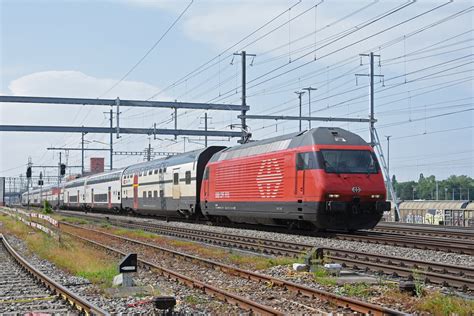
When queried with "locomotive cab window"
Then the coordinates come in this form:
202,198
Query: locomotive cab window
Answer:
349,161
305,161
176,178
188,177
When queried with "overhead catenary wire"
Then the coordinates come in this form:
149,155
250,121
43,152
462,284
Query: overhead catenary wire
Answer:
149,50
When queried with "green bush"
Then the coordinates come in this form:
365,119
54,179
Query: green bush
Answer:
47,209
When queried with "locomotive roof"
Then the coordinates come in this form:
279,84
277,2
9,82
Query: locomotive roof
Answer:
186,157
319,135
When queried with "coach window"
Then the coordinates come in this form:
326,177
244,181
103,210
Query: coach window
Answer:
156,171
149,194
306,161
176,178
150,172
144,194
161,170
188,177
155,194
206,174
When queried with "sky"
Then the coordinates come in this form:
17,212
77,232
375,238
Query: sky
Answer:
81,48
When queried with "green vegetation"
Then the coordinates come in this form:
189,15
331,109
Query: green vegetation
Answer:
73,220
419,281
134,233
193,300
425,188
442,304
356,290
322,277
47,209
68,254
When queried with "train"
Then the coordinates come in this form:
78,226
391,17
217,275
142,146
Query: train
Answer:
325,178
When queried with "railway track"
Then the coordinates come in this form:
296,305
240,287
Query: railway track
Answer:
445,244
436,273
451,245
287,287
25,289
426,230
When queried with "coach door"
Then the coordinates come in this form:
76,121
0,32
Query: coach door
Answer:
109,197
135,192
176,188
92,197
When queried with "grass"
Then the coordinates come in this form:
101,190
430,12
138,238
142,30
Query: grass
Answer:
238,259
69,255
419,281
322,277
441,304
73,220
356,290
193,300
133,233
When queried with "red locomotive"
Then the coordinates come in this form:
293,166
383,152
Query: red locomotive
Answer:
324,178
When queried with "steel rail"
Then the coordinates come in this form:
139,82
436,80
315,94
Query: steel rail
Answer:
73,299
436,273
353,304
221,294
426,231
416,242
400,240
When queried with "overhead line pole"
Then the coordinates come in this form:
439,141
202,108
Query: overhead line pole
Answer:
307,118
107,130
243,121
129,103
309,89
371,75
300,93
111,139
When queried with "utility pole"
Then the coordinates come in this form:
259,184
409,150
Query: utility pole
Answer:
309,89
59,178
82,152
388,153
205,128
148,152
371,75
243,120
300,93
111,139
388,163
117,128
175,122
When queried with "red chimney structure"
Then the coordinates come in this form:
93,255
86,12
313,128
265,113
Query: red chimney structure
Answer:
97,165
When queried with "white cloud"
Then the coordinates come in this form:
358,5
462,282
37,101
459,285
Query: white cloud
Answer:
71,83
62,84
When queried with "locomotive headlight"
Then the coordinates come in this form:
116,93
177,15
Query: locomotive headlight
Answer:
375,196
333,196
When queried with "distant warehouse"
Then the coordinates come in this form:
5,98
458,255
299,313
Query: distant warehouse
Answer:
449,213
